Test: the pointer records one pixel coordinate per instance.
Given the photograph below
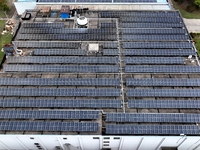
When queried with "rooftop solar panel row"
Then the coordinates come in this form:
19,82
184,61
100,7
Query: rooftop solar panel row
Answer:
61,103
43,25
60,52
133,117
159,52
63,60
49,126
79,92
165,45
164,104
61,81
152,129
62,68
42,44
152,25
163,93
162,69
153,60
48,114
162,82
152,20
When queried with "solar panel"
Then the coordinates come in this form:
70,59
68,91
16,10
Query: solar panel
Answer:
61,68
59,52
165,45
151,20
162,69
109,45
94,1
155,37
162,82
153,60
135,1
142,14
159,52
61,103
163,93
39,44
134,117
68,37
62,31
164,104
152,25
63,60
48,114
111,52
59,92
61,81
167,31
48,126
152,129
43,25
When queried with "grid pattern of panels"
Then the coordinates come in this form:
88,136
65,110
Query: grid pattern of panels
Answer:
36,44
70,37
58,103
139,14
61,68
152,25
48,114
162,82
64,60
60,52
61,1
155,37
179,45
153,60
94,1
108,25
111,52
135,1
108,45
61,81
49,126
152,20
152,129
131,117
67,31
43,25
162,69
159,52
59,92
163,93
166,31
164,104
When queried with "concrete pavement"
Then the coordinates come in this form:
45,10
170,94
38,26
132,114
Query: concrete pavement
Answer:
193,25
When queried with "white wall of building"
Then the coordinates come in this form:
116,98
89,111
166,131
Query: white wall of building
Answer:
22,6
76,142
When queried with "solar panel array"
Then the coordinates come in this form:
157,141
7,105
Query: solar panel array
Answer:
152,129
62,68
49,126
162,69
164,104
162,82
48,114
173,118
61,81
163,93
61,103
153,60
142,55
63,60
77,92
159,52
59,52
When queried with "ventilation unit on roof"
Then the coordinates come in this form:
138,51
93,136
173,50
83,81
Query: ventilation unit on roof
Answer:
93,48
82,22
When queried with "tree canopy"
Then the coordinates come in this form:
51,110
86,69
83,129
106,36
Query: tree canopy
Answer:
197,3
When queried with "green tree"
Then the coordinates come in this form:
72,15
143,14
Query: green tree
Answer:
197,3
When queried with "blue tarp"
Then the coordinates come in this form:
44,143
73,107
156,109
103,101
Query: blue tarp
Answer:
64,15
